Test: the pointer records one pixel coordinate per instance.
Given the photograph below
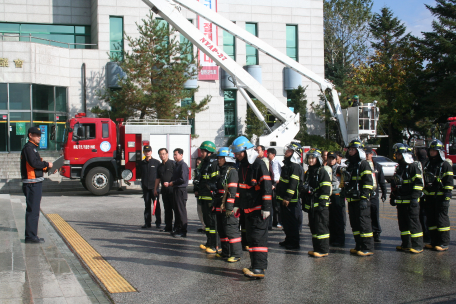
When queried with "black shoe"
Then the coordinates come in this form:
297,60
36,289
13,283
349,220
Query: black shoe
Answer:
283,244
34,241
181,234
158,226
146,227
176,232
201,230
269,228
377,238
291,247
166,230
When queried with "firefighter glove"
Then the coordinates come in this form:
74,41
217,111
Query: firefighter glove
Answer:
383,197
228,213
393,202
265,214
448,196
363,204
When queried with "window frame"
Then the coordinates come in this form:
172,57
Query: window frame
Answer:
296,46
247,46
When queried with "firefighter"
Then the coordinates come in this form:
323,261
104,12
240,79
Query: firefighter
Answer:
357,185
337,217
316,191
406,189
288,195
438,176
255,199
226,208
204,190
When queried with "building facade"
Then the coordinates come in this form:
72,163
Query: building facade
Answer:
54,58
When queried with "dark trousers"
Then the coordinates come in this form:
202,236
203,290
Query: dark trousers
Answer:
168,198
32,194
375,214
230,236
210,220
408,218
319,227
337,219
360,222
291,222
257,239
424,221
438,222
243,228
180,209
275,217
149,198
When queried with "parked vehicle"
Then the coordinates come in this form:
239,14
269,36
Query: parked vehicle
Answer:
388,166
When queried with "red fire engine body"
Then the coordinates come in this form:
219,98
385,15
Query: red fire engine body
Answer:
98,151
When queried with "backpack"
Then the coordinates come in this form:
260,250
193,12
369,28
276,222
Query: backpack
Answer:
329,170
374,177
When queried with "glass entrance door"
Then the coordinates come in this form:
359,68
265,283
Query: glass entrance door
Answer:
19,124
3,132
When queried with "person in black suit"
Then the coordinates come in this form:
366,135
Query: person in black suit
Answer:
149,169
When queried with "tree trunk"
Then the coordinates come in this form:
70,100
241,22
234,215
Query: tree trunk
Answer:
390,140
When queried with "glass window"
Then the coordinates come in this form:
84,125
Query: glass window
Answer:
252,53
19,96
3,133
19,123
43,97
60,33
105,130
60,130
83,131
230,112
187,45
3,96
116,37
229,45
60,99
292,41
290,102
452,141
187,102
45,121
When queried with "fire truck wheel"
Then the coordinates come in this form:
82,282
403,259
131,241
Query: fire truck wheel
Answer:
83,182
98,181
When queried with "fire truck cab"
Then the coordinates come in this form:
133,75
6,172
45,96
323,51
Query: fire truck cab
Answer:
449,140
98,151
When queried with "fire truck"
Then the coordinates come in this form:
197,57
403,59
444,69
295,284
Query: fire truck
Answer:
99,151
449,139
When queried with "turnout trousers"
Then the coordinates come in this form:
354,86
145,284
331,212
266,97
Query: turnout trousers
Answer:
230,236
149,198
167,198
291,222
360,221
180,209
408,218
438,221
32,192
210,220
337,219
257,239
243,229
319,227
375,214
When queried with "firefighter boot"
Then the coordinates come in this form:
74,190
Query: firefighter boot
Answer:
253,273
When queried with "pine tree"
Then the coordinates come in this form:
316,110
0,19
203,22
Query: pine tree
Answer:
156,69
437,84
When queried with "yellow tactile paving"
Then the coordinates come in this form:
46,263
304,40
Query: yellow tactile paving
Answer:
107,275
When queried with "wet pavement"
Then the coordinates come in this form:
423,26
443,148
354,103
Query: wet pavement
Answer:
165,269
39,273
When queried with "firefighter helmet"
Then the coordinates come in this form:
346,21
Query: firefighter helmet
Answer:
400,148
242,144
315,153
226,152
438,146
207,145
297,152
358,145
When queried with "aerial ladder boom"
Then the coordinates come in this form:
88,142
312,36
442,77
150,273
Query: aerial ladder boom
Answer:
281,134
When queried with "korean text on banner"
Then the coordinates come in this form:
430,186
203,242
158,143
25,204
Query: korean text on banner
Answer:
210,70
44,139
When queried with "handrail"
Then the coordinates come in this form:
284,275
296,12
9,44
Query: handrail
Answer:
44,39
157,122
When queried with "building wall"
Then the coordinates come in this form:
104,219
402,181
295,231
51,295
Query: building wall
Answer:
59,66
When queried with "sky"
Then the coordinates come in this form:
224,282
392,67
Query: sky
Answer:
413,13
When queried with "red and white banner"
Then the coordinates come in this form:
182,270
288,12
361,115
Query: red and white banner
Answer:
210,70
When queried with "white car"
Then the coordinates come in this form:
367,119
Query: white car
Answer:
388,166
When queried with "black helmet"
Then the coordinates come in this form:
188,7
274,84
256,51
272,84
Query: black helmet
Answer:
357,143
297,154
438,145
315,153
403,149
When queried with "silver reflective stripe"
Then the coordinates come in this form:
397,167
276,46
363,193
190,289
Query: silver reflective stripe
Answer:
33,180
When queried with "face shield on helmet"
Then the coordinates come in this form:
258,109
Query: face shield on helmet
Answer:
438,146
400,148
315,153
297,152
242,144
